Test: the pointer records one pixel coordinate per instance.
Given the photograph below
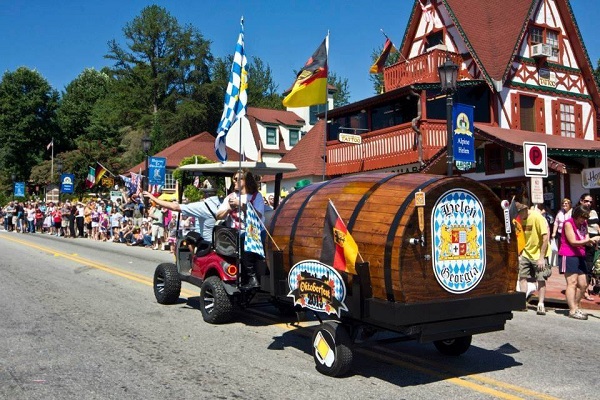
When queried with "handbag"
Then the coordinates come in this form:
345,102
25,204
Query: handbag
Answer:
596,265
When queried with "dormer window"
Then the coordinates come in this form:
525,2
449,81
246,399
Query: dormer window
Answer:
271,135
546,36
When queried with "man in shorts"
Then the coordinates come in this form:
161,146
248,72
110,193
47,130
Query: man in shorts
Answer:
532,261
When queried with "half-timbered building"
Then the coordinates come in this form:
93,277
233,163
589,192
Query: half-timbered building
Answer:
522,64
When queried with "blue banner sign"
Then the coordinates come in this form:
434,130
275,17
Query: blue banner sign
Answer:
462,129
67,183
19,189
156,170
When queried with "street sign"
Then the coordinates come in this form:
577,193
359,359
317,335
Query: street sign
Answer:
535,159
350,138
537,190
156,170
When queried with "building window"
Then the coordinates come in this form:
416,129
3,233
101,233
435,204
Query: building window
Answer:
314,111
494,159
547,36
434,39
294,136
527,113
271,135
169,181
567,120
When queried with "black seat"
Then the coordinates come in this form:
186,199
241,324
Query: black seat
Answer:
203,247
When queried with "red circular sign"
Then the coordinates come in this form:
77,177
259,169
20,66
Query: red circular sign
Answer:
535,155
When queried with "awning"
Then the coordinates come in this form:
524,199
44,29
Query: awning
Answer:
513,139
557,145
168,196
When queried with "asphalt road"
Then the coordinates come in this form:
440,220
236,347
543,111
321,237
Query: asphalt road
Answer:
79,321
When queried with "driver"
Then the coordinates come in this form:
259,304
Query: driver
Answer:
245,190
203,211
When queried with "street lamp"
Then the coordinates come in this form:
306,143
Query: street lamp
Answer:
146,145
448,73
13,177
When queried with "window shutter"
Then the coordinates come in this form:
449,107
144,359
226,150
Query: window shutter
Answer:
556,118
514,105
540,115
579,121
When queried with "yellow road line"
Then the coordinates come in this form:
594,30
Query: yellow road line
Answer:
143,279
462,381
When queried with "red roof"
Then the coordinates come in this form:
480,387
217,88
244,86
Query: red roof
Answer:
307,154
494,29
275,117
202,144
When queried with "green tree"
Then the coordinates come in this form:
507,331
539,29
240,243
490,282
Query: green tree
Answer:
377,79
341,97
28,106
262,90
75,114
163,69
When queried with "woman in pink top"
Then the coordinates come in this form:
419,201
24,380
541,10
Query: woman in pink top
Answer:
563,215
572,251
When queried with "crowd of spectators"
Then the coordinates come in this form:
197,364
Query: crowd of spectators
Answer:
122,221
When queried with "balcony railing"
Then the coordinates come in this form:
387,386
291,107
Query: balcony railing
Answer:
385,148
420,69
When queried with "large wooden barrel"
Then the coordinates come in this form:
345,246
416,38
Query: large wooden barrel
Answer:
462,220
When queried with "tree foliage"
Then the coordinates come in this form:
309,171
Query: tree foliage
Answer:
28,106
341,97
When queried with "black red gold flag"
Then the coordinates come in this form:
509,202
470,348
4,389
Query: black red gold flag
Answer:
388,48
310,87
339,248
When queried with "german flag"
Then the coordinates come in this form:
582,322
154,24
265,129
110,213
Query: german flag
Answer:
310,87
100,171
388,48
339,248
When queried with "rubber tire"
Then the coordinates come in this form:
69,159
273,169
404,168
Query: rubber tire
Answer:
167,284
453,347
216,305
342,349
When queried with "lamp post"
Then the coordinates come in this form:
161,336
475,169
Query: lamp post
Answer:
146,145
13,177
448,73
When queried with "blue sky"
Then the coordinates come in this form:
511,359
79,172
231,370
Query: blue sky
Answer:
61,38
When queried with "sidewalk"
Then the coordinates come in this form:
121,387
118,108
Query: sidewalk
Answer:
555,296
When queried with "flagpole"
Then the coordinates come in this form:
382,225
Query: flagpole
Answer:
52,160
326,108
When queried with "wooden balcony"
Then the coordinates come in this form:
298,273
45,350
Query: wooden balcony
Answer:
420,69
385,148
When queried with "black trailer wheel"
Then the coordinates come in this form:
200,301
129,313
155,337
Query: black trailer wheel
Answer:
215,303
332,349
167,284
453,347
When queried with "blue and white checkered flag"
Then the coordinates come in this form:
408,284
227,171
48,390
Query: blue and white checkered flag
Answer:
236,96
252,240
